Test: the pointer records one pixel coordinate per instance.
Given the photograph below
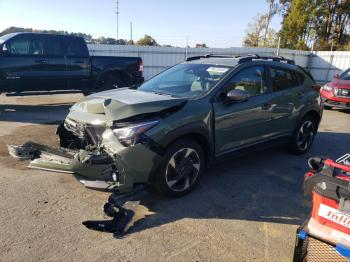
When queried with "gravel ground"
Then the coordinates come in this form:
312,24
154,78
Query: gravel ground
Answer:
245,209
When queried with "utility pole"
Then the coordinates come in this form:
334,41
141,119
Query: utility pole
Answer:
117,12
278,46
186,52
131,31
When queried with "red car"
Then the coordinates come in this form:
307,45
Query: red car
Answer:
337,92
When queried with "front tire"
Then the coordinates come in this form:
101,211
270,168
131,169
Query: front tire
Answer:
304,135
183,165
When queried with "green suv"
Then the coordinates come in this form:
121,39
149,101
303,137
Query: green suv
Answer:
166,131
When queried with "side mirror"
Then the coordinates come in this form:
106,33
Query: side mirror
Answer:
237,95
337,76
3,49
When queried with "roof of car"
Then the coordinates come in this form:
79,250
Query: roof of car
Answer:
223,61
10,35
235,60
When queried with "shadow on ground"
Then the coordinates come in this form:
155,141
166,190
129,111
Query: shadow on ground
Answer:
265,186
44,113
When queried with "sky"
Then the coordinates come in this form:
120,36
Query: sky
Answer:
218,23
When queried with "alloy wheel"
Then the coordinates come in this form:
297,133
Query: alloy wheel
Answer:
305,135
182,169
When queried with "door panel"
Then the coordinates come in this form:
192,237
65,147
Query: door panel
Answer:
240,124
57,67
26,63
36,63
287,99
78,63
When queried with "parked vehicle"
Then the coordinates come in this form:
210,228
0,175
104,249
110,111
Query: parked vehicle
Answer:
168,130
337,92
36,62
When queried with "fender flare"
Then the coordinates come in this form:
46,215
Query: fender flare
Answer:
198,131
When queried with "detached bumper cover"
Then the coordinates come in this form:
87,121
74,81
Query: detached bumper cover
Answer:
110,166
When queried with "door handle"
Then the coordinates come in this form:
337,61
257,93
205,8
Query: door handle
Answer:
266,106
78,61
41,61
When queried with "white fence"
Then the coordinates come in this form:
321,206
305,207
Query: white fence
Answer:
323,65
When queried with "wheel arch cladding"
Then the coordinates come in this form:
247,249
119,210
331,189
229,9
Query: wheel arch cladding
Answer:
200,139
314,114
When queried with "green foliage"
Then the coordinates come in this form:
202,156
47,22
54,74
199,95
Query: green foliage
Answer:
295,31
258,32
322,23
147,40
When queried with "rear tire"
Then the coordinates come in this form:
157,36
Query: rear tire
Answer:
181,169
304,135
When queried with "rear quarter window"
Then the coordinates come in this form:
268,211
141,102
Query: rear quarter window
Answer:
282,79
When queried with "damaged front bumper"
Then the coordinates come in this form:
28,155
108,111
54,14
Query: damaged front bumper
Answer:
108,166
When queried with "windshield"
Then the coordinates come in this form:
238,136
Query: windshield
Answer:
185,80
345,75
3,38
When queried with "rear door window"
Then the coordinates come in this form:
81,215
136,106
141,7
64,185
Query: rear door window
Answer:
74,46
53,46
282,79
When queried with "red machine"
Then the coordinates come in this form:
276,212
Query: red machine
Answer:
325,236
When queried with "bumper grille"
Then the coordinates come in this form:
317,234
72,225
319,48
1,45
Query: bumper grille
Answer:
314,250
341,92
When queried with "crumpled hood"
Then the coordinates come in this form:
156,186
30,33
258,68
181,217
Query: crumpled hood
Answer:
124,103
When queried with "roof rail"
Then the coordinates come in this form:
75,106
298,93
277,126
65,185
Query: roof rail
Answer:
245,58
207,56
249,58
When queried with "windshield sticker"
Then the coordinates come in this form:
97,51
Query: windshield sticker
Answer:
220,70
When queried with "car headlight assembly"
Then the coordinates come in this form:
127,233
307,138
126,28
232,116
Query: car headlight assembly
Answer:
132,134
327,87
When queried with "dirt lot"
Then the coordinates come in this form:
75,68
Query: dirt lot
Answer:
245,209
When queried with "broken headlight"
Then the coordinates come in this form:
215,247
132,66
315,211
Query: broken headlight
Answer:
131,134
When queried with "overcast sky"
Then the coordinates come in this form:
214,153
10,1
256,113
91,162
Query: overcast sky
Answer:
218,23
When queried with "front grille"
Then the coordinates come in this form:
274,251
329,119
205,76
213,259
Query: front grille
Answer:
342,92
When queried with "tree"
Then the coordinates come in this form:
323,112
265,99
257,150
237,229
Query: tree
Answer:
130,42
273,9
203,45
255,31
297,23
322,23
147,40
